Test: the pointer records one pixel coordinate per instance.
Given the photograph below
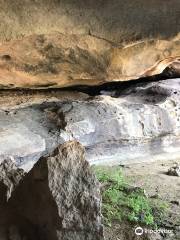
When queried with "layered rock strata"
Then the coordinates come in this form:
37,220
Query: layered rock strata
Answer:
140,123
58,60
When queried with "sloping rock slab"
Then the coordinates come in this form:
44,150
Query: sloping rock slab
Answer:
60,196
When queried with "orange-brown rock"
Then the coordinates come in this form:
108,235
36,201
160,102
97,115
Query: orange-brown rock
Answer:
52,43
59,60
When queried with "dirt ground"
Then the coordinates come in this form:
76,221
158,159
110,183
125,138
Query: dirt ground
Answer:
153,178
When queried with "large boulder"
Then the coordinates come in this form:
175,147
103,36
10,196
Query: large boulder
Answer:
60,197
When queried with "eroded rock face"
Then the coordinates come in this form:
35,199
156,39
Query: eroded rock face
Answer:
115,20
28,124
60,196
58,60
51,43
10,177
59,199
140,123
12,226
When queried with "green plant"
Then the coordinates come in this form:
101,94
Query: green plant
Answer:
122,202
140,209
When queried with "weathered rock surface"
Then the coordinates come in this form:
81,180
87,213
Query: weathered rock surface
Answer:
51,43
140,123
57,60
60,197
10,221
28,124
114,20
10,177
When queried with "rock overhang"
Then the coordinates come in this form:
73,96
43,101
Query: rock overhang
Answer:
55,44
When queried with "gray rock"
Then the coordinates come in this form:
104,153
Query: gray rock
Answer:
141,123
10,177
174,171
61,196
26,134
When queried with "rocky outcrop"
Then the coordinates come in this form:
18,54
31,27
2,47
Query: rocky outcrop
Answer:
139,123
59,199
28,124
51,43
57,60
10,177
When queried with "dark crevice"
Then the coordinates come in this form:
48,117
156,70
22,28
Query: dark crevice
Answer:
168,73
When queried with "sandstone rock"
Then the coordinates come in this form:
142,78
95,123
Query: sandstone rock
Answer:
116,20
57,60
10,176
60,196
54,43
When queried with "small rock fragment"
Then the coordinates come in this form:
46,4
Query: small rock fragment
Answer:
174,171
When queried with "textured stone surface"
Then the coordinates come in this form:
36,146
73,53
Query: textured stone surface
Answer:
174,171
28,124
140,123
57,60
61,196
115,20
10,177
51,43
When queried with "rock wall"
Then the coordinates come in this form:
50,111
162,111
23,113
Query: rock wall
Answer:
140,123
65,43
